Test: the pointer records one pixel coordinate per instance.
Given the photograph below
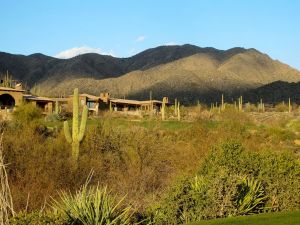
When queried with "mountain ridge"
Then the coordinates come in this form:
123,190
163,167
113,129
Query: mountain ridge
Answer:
186,72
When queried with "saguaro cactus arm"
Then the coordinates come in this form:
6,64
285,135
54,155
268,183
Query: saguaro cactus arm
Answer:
67,132
83,123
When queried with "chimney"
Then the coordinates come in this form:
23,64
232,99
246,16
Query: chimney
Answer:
18,86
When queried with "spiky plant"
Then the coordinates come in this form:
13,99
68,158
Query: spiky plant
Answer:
250,197
77,132
92,206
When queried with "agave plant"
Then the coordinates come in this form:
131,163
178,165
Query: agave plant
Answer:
92,206
250,197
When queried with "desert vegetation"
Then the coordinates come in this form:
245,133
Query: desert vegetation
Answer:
179,165
211,163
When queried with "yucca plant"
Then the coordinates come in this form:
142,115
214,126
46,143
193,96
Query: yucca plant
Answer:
92,206
250,197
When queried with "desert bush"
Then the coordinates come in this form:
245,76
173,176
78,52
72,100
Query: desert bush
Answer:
281,107
36,218
220,190
26,113
92,205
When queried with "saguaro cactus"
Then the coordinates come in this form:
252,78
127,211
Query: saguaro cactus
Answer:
178,111
163,108
77,132
110,107
241,103
56,107
175,107
222,103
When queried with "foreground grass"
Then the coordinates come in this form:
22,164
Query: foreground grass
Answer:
283,218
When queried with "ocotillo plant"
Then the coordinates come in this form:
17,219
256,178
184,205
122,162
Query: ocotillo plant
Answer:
77,132
178,111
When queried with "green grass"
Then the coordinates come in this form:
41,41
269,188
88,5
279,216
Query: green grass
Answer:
123,122
283,218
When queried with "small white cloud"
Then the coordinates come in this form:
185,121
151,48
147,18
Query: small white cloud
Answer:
72,52
171,43
140,38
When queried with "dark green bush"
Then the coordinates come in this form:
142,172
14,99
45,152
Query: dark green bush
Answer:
36,218
219,188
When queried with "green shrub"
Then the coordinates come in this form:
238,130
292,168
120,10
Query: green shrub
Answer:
26,113
36,218
221,190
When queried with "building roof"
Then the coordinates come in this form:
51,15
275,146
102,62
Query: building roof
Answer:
37,98
60,99
10,89
91,97
134,102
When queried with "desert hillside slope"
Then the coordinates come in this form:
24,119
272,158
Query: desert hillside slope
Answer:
187,72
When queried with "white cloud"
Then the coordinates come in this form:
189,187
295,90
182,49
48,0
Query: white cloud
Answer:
69,53
140,38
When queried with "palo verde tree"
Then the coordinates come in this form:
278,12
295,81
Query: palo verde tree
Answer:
77,132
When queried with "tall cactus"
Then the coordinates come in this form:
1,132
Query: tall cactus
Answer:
163,108
77,132
222,103
241,103
56,107
175,107
110,107
178,111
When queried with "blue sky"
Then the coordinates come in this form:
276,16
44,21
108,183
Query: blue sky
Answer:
125,27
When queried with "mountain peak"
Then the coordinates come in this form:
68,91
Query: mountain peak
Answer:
184,71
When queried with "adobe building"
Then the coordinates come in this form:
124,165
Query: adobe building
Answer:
13,97
45,104
10,97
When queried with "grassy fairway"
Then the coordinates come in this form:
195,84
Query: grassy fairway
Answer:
284,218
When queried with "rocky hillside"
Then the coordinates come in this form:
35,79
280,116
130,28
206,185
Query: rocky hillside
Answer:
187,72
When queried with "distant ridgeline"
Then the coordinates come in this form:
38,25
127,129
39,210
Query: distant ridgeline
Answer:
186,72
275,92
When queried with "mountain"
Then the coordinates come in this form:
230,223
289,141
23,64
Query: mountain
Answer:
186,72
275,92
